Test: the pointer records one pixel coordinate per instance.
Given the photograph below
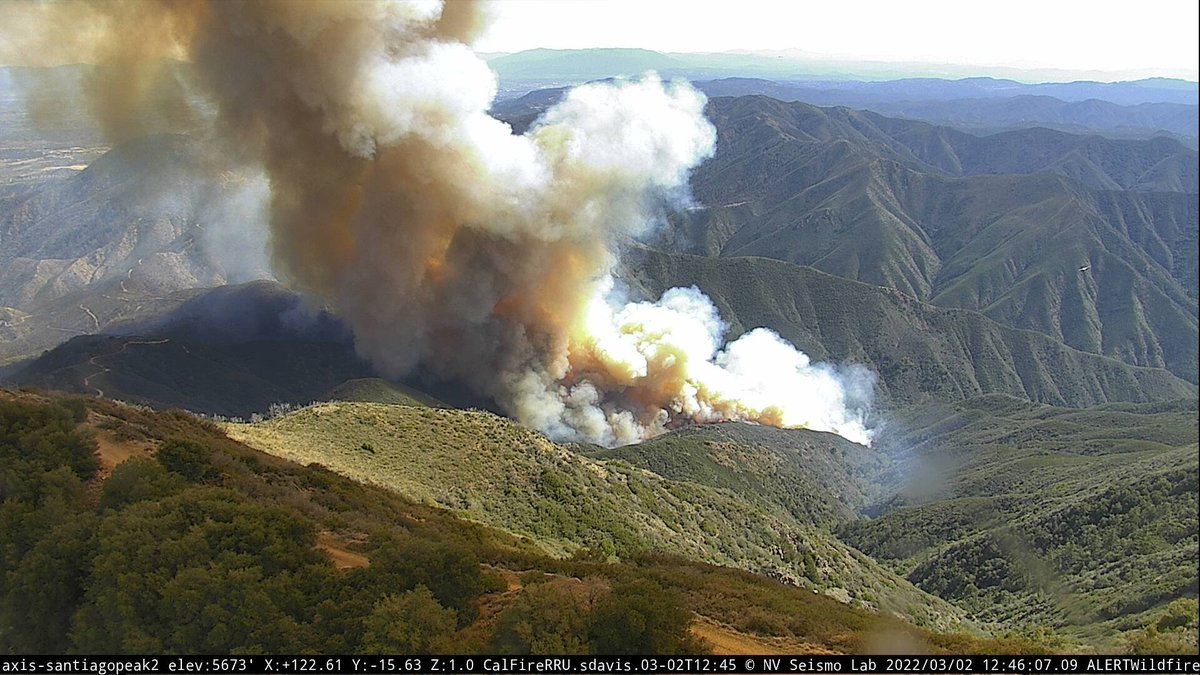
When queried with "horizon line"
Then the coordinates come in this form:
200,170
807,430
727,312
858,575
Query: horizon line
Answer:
1062,75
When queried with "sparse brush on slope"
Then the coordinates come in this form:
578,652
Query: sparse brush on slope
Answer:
492,470
1027,514
814,477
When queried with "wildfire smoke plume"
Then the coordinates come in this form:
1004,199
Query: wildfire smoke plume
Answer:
441,237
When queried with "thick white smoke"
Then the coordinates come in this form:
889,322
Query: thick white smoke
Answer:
448,241
676,346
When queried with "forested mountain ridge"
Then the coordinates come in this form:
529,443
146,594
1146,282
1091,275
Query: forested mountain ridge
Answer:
918,350
983,111
1109,272
1159,164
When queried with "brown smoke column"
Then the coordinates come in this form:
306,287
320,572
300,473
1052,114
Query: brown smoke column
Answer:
441,237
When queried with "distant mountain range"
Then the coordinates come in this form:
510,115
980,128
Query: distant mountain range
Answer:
892,81
1087,240
1131,109
823,188
979,109
1128,93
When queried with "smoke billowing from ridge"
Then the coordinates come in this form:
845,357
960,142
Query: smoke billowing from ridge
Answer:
441,237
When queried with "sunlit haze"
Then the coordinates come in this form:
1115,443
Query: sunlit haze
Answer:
1056,40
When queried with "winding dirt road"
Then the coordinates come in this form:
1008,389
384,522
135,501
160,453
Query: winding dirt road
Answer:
95,361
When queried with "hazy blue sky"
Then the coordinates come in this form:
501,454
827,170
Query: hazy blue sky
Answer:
1127,38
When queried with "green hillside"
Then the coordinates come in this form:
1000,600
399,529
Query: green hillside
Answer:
491,470
814,477
919,351
1085,520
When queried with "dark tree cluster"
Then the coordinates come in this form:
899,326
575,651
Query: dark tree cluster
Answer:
169,554
570,616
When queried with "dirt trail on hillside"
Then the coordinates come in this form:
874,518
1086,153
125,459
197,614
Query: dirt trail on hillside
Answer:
726,641
103,369
113,451
342,557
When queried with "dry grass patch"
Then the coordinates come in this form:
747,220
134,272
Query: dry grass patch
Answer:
726,641
336,548
113,450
